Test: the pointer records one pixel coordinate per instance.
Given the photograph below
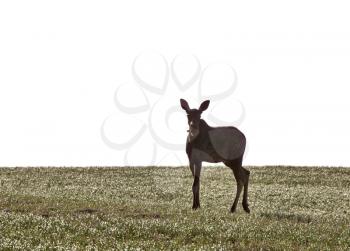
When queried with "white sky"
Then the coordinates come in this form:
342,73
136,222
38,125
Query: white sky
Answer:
62,61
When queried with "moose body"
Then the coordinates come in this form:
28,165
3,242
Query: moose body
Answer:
215,144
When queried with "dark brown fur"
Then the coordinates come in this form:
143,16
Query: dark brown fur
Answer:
200,148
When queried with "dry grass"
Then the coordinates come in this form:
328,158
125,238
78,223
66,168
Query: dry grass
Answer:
292,208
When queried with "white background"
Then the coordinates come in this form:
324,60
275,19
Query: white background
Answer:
61,61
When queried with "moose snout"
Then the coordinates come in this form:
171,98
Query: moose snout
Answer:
193,125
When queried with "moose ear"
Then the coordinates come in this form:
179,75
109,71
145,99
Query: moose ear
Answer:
184,105
204,105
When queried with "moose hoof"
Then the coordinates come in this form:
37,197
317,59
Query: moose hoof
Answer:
195,207
246,208
233,210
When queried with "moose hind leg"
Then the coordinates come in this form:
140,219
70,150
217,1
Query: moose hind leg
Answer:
241,176
245,191
238,194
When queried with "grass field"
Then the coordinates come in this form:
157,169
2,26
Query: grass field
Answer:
149,208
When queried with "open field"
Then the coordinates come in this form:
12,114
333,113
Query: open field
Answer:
292,208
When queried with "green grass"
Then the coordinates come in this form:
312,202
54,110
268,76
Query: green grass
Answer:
292,208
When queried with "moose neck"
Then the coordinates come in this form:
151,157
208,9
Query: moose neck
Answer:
203,126
199,132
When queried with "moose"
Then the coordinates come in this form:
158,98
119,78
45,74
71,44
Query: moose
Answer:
215,144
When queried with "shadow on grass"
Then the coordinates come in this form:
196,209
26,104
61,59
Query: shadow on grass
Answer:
299,218
86,211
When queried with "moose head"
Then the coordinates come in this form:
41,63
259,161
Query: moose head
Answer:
193,117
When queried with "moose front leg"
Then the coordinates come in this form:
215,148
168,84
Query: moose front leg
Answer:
192,167
196,184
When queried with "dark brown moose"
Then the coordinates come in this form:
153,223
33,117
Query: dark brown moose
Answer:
215,144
